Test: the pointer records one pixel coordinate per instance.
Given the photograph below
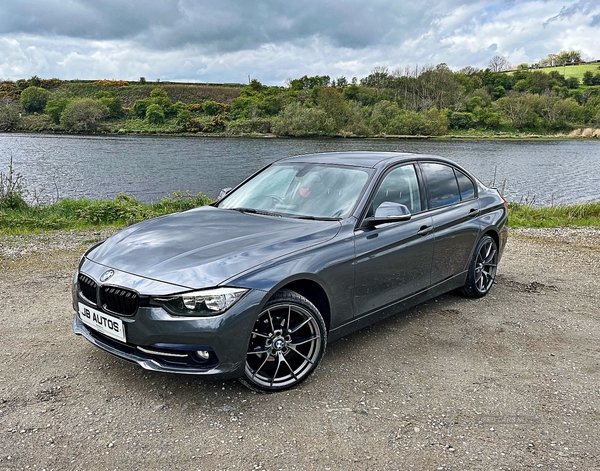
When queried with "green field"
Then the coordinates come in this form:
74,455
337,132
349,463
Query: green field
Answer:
576,71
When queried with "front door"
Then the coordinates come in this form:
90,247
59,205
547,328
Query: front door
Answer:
393,260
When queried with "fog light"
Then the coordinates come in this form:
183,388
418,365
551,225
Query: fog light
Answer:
203,354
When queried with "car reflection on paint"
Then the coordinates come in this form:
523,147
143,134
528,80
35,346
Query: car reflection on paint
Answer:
305,251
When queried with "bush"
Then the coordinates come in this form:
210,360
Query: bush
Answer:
140,107
459,120
245,126
112,102
83,114
298,120
184,117
159,97
9,89
383,112
195,107
199,124
210,107
8,118
12,189
34,99
155,114
413,123
588,77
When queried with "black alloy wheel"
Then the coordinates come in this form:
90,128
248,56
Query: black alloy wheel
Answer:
482,270
286,344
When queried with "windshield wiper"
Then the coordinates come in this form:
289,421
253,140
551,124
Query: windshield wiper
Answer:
255,211
313,218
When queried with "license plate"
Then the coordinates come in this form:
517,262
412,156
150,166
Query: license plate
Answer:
101,322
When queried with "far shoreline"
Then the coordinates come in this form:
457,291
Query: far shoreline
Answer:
447,137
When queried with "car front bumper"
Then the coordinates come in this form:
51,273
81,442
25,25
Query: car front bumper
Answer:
156,340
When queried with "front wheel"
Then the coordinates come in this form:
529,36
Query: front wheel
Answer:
286,344
482,269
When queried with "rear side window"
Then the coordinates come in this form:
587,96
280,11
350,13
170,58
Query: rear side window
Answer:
442,185
465,185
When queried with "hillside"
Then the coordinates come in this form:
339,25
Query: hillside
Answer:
430,101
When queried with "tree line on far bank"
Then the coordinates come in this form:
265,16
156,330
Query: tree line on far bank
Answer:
426,101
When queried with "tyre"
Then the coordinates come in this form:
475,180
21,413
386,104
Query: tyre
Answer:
286,344
482,269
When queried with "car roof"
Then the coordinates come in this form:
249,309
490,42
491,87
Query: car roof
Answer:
369,159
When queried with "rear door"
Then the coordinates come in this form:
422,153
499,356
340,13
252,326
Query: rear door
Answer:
454,207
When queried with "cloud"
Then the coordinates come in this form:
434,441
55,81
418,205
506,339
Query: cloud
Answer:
271,40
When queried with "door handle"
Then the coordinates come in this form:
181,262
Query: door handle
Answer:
473,212
425,230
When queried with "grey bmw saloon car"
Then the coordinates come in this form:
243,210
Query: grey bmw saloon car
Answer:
305,251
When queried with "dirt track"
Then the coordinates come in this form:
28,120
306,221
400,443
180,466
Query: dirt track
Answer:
510,381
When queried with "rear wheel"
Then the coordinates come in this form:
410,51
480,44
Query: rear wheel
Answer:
286,344
482,270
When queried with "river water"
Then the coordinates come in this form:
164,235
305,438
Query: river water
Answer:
148,168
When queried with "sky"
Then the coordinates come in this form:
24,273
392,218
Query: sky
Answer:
232,41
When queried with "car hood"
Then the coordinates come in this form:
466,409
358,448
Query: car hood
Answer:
206,246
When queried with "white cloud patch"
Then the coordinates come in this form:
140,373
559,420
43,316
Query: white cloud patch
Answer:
228,40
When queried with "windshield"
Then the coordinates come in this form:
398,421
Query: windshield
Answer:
300,190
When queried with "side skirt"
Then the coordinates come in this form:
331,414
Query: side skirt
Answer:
445,286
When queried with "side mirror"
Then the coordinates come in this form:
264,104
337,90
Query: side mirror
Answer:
223,193
388,212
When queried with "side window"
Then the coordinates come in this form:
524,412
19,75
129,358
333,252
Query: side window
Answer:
399,186
465,185
441,184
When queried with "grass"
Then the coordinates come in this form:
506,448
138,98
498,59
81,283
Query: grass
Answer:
84,213
576,71
125,210
577,215
569,71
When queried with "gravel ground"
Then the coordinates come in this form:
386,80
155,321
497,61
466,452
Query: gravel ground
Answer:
510,381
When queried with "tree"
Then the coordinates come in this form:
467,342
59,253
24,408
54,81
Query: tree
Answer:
332,102
55,107
34,99
378,79
517,109
383,112
499,64
357,121
553,110
83,114
568,57
308,83
436,86
340,82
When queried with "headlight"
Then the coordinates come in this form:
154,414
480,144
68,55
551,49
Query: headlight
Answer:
208,302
